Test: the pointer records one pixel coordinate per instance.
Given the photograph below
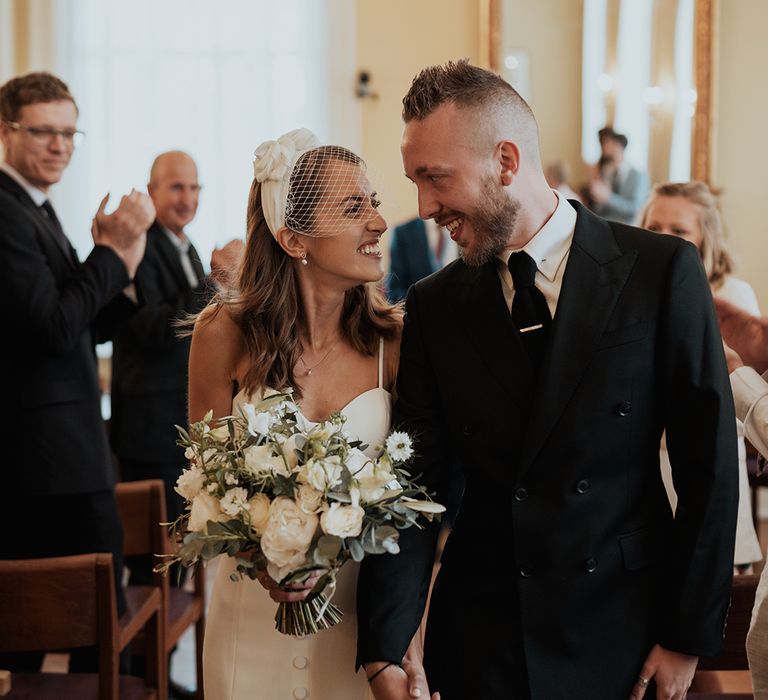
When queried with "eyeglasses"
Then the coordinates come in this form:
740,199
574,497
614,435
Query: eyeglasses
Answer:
45,135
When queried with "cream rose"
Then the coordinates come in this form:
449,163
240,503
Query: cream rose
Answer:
190,483
342,521
258,508
321,474
372,481
287,536
260,460
309,499
204,508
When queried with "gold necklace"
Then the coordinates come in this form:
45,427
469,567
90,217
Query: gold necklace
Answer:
317,364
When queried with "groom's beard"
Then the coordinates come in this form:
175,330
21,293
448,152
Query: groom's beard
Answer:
492,225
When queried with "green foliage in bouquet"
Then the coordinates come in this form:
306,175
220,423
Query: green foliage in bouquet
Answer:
294,499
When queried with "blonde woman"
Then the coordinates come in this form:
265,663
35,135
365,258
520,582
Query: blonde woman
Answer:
689,210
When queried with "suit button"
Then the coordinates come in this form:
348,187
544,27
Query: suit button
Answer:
583,486
300,693
521,494
625,408
590,565
466,430
527,571
300,662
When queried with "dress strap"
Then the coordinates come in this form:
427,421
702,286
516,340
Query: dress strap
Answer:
381,363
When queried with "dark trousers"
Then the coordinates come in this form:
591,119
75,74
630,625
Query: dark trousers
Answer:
473,646
139,470
62,525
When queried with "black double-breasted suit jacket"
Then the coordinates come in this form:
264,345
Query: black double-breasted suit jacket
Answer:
563,487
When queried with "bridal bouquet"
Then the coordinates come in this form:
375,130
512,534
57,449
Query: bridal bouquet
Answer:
292,498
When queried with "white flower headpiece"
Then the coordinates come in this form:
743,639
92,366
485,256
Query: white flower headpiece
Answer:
272,166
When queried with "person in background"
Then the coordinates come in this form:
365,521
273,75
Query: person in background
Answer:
746,338
616,190
149,363
557,174
56,463
418,249
690,211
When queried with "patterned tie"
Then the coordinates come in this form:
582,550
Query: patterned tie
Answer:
58,231
530,312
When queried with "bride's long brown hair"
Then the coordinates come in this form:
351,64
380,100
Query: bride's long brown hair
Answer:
266,304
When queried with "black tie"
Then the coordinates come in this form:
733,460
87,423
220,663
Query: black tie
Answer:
530,312
58,231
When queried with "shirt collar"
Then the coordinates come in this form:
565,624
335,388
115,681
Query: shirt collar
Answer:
181,242
37,195
551,243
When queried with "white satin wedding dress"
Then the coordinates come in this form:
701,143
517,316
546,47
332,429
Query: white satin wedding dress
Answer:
245,658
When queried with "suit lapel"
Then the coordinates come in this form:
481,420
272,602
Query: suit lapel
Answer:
595,275
482,310
48,239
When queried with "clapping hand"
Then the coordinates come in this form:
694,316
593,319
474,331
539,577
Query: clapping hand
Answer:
746,334
225,262
125,229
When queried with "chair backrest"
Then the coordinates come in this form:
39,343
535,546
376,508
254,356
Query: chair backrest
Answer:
733,656
61,603
142,508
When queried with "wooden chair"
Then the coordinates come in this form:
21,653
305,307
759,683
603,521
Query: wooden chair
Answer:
142,508
709,681
69,602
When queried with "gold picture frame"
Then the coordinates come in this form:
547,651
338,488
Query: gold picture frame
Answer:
705,14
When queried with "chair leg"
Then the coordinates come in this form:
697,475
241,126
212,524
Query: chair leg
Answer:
156,658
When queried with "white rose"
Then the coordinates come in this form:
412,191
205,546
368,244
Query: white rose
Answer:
342,521
258,508
287,536
289,453
258,423
204,508
259,460
356,460
321,474
234,501
190,483
309,499
372,482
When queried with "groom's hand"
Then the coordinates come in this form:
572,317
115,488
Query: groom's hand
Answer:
393,683
672,671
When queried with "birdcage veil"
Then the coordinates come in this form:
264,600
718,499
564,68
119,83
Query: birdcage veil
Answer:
312,189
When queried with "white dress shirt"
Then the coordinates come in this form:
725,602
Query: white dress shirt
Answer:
750,397
182,244
549,249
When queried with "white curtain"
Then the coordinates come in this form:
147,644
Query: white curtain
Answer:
213,79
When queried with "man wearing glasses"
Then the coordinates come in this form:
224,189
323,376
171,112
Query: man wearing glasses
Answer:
56,464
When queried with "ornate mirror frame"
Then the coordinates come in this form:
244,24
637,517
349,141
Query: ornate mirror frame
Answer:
704,37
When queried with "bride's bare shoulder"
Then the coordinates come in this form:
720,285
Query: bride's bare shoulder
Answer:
216,330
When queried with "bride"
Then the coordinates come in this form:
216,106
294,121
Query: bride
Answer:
306,314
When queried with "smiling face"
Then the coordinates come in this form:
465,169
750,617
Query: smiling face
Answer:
343,242
675,216
458,182
174,190
40,161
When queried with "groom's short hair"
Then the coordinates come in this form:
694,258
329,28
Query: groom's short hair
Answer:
472,88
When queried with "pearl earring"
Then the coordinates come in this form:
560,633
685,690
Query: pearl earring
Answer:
304,258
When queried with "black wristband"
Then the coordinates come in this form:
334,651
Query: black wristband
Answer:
383,668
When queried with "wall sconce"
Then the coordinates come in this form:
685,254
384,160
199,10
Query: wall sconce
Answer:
364,89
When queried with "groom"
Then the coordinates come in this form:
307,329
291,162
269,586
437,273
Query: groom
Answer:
549,359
